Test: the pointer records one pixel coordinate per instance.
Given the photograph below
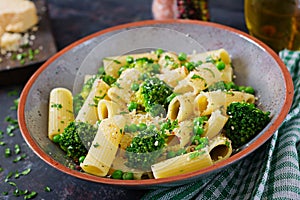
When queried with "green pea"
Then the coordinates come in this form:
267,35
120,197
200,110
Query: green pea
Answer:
81,159
190,66
117,174
132,106
133,128
182,56
142,126
220,65
129,59
249,90
198,121
158,52
242,88
127,176
135,87
56,138
230,85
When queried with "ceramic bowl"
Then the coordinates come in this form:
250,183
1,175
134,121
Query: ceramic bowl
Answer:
255,64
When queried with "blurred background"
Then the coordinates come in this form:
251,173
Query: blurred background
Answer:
74,19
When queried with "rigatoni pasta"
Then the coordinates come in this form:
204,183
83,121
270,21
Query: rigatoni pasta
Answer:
60,111
156,114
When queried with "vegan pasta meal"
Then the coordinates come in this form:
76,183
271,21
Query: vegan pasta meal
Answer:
155,115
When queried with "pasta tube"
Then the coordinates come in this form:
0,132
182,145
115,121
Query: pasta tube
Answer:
215,124
181,107
172,77
104,147
207,102
182,164
60,111
220,148
203,77
107,109
121,93
184,132
88,112
215,54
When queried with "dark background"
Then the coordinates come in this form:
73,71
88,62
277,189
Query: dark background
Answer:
71,20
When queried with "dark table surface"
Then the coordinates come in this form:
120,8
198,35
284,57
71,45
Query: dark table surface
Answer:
70,21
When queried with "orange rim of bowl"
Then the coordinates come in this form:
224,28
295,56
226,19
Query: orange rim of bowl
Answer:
152,182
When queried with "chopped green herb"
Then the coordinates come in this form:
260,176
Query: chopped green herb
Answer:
212,73
12,183
47,189
12,93
16,104
7,152
8,176
195,76
26,171
96,145
5,193
196,154
19,158
182,56
17,149
31,195
56,105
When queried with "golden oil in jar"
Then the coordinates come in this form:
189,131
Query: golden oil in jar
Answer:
275,22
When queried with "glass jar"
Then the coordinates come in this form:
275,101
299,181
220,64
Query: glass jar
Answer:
274,22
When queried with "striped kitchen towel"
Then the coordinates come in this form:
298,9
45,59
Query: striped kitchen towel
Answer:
270,172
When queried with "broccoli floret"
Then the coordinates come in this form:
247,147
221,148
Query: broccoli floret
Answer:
76,138
152,92
244,122
145,148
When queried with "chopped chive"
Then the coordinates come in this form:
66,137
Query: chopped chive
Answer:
17,149
47,189
12,183
31,195
7,152
8,176
12,93
26,171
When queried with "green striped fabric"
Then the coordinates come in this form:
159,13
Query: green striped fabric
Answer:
271,172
